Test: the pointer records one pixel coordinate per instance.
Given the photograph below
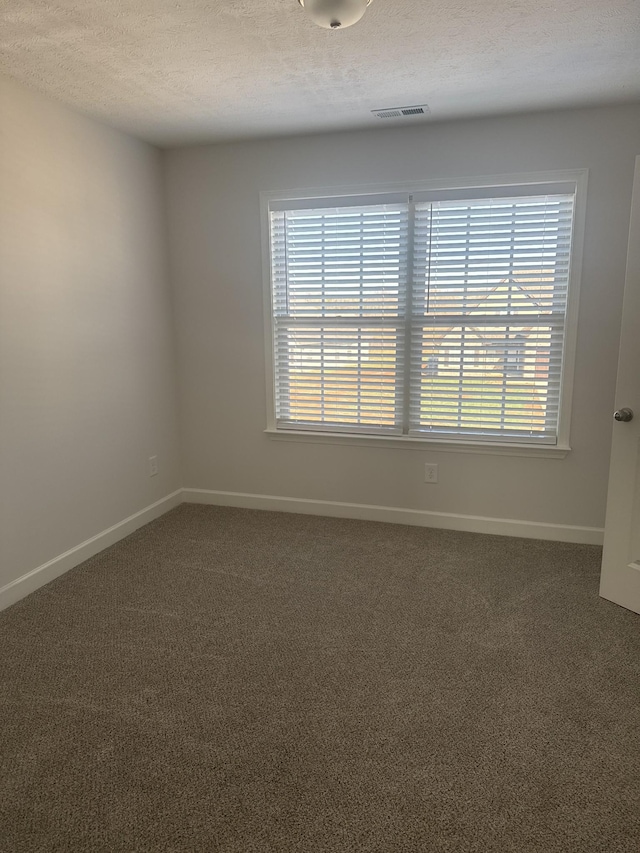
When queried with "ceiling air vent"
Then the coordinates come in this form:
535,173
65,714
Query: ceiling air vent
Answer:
399,112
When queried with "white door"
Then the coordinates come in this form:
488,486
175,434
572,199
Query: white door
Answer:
620,579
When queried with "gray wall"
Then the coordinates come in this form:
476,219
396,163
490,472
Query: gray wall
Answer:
87,368
217,277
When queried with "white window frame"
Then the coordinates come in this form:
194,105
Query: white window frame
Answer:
353,194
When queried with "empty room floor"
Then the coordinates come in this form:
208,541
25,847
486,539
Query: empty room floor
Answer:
234,680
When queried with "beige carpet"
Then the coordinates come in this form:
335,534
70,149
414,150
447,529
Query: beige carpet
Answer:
229,680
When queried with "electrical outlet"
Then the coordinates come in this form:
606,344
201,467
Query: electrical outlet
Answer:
153,466
431,473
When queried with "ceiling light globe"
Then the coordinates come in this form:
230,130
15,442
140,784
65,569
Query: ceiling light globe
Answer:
335,14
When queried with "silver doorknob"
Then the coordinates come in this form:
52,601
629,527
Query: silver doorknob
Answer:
624,415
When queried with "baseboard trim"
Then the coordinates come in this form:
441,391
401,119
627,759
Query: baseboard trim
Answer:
399,515
28,583
18,588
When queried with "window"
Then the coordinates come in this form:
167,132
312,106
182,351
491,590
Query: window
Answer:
434,315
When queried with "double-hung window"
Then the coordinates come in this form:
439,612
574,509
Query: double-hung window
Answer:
430,314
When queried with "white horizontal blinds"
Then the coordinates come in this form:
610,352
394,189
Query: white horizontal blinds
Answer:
489,303
338,288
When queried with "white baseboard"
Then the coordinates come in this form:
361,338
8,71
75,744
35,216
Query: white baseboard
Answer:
38,577
399,515
17,589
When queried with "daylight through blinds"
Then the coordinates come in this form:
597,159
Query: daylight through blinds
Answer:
430,318
339,285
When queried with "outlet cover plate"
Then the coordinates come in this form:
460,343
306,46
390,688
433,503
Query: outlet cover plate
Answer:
431,472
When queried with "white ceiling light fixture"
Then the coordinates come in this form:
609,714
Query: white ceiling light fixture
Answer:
335,14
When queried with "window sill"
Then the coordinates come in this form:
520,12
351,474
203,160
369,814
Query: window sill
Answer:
547,451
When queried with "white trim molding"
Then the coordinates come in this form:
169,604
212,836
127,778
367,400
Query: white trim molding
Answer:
401,515
38,577
571,180
547,451
29,582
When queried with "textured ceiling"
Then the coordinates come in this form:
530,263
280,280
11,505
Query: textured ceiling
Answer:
175,71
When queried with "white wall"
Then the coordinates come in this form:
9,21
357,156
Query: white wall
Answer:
217,277
87,372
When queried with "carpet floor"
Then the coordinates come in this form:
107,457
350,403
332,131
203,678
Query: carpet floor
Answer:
254,682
